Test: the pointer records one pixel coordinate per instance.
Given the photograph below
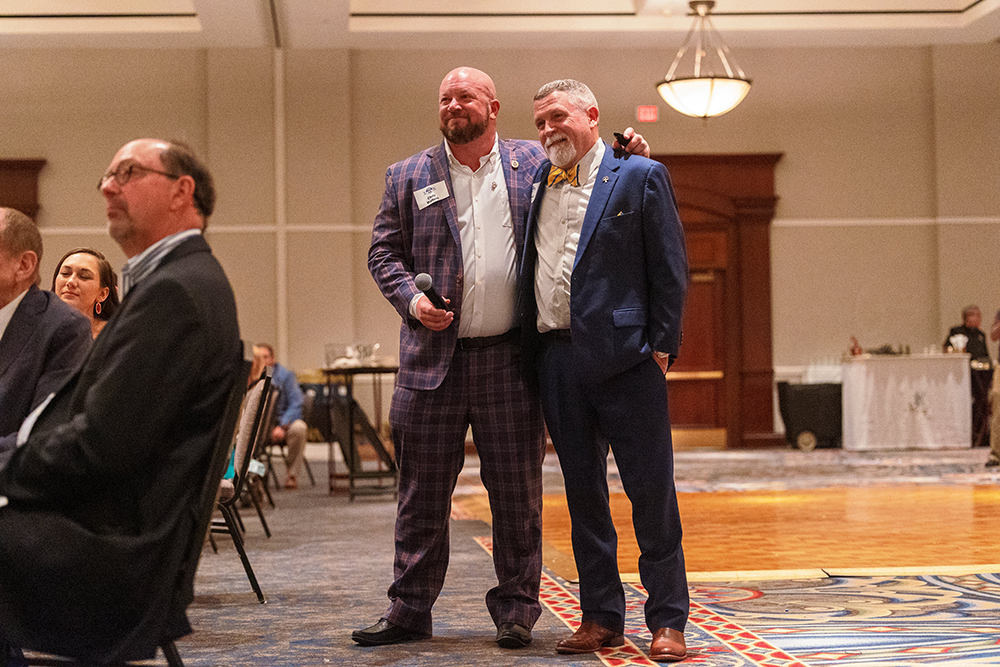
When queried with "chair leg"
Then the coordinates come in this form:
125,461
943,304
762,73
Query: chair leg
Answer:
171,653
234,532
309,471
260,513
267,490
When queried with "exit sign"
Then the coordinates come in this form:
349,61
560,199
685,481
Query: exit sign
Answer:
646,113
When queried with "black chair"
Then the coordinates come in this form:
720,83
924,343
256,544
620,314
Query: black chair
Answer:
183,588
247,439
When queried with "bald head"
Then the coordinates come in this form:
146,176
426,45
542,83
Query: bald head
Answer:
153,189
473,78
468,107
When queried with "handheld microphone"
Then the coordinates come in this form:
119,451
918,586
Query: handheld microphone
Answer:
425,284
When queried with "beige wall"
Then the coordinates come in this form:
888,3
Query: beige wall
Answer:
888,220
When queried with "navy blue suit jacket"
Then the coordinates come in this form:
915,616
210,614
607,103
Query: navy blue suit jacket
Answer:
44,343
630,273
407,240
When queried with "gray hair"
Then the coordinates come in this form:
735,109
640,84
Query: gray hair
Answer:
578,93
19,233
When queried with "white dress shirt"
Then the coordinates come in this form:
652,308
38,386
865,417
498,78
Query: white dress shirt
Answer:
557,236
486,230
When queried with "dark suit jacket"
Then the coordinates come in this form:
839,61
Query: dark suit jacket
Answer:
976,347
44,343
630,273
407,241
100,495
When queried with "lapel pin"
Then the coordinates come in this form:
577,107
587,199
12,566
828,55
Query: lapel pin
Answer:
605,179
494,186
513,164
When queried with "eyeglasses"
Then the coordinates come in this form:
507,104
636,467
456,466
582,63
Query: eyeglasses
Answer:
125,170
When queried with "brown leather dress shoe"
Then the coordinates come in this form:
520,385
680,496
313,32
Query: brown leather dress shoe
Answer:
668,646
588,638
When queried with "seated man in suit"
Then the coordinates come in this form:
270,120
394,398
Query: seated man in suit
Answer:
42,339
291,428
95,503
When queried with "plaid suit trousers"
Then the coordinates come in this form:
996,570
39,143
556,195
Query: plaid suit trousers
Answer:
484,388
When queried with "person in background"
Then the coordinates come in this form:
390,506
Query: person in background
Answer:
602,292
994,457
291,428
42,340
980,375
85,280
972,318
456,211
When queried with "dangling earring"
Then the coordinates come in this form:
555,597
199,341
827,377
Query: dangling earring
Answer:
97,308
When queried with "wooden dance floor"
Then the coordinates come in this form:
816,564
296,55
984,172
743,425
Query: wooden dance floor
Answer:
923,527
935,513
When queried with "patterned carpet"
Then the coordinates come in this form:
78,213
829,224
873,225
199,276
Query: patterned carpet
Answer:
888,620
326,569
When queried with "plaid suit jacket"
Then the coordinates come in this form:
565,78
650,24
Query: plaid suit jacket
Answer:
407,240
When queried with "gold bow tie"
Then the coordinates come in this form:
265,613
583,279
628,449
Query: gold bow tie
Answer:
557,176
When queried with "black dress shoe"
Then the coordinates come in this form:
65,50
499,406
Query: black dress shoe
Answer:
384,632
512,635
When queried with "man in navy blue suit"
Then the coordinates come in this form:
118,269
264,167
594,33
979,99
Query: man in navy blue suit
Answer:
604,230
42,340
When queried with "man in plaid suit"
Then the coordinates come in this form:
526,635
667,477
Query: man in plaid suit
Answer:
457,212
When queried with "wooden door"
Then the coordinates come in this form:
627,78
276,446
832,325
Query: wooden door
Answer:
723,379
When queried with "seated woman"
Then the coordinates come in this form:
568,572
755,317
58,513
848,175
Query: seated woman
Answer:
85,280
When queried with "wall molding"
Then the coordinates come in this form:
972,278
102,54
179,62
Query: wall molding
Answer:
226,229
885,222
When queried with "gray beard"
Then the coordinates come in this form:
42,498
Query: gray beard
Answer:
561,154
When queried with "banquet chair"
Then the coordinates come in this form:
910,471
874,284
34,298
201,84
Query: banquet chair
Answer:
248,435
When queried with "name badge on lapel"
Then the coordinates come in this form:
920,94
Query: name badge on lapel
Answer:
431,194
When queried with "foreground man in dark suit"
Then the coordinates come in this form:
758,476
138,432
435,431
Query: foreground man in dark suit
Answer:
602,290
94,504
42,340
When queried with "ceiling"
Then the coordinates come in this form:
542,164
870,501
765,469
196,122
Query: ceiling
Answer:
370,24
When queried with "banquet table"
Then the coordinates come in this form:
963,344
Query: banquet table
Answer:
919,401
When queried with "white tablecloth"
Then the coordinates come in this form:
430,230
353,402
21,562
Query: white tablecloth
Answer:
907,402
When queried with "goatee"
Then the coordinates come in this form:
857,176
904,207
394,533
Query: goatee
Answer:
560,154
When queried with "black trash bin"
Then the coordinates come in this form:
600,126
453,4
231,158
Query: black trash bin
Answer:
812,414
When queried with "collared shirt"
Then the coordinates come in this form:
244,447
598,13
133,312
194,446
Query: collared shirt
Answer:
560,222
146,261
486,231
290,398
7,312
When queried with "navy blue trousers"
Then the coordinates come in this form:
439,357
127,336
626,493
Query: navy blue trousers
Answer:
629,411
